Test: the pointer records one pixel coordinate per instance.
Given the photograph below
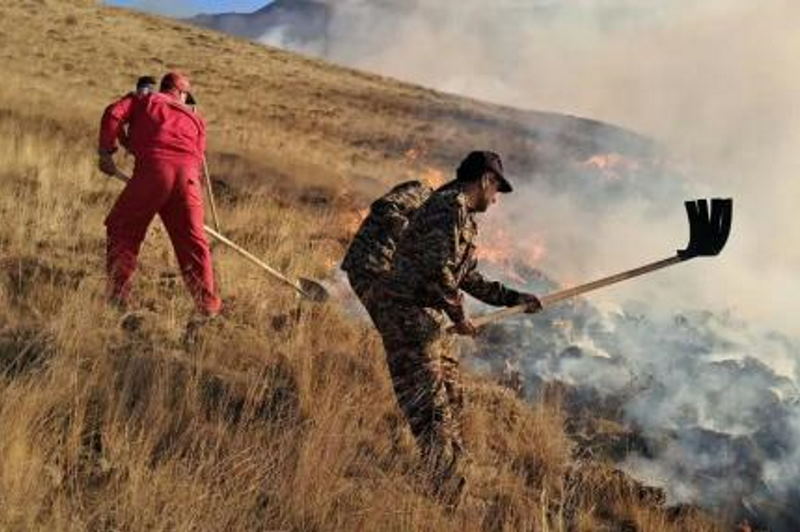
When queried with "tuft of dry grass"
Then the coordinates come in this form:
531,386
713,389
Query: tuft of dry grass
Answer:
282,416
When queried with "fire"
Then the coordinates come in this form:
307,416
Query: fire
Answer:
416,169
499,249
413,154
338,234
416,153
611,164
330,263
351,220
432,177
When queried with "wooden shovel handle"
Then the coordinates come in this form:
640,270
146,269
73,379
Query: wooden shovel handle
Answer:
561,295
211,201
255,260
241,251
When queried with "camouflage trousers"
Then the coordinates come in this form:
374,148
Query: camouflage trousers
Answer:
427,383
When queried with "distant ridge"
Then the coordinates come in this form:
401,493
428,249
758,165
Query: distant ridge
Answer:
301,21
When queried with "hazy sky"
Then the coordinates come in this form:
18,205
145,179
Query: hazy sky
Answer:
190,7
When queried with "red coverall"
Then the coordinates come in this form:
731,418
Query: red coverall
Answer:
167,140
123,131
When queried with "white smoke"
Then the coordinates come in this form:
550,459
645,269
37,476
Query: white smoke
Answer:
715,398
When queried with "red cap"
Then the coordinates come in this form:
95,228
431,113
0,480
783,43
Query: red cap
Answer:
174,81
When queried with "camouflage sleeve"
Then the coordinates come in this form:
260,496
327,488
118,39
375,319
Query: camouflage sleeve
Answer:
490,292
392,215
436,256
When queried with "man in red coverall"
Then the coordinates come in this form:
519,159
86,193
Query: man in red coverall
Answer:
168,141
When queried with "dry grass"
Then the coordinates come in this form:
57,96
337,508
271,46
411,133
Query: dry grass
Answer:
282,418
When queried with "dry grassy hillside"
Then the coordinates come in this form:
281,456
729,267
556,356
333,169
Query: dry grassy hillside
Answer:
282,418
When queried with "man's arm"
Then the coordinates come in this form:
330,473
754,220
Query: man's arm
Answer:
494,292
490,292
112,124
436,256
114,118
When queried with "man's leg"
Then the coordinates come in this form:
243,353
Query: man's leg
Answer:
126,227
455,480
183,217
427,385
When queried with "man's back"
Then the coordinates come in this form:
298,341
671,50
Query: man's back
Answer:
436,259
434,249
372,250
159,127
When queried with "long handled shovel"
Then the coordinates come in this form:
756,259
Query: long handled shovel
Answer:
211,200
708,233
191,101
307,288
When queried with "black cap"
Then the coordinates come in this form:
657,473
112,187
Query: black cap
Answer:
477,163
145,81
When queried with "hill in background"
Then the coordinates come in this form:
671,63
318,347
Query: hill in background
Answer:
303,22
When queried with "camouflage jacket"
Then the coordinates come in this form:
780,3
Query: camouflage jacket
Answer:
371,252
436,258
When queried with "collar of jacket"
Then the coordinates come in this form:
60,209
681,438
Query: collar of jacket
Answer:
178,105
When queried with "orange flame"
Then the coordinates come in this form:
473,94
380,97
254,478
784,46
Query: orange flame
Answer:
611,164
498,248
330,263
345,224
413,154
351,220
432,177
416,169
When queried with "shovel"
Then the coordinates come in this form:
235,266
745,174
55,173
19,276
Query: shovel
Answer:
307,288
708,233
191,101
211,201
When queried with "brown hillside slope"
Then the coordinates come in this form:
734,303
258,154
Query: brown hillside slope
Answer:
306,118
282,418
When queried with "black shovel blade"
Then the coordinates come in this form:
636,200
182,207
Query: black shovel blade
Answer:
709,229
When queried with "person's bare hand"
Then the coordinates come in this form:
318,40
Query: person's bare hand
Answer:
106,164
465,328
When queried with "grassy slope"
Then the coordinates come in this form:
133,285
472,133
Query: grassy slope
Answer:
283,417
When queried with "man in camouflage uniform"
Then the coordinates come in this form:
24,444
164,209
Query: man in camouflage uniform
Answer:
435,259
369,258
